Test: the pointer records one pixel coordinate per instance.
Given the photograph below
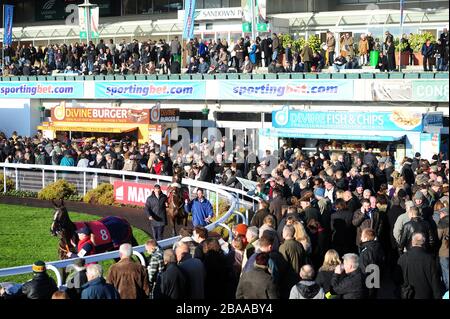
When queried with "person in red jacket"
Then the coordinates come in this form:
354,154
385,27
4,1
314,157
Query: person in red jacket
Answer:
85,245
158,167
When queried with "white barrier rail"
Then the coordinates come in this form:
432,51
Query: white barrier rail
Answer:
231,195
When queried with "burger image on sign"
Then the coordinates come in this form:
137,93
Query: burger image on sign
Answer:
137,116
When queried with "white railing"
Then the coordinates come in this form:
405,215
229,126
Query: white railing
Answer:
85,175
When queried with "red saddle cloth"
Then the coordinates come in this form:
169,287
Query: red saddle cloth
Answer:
99,230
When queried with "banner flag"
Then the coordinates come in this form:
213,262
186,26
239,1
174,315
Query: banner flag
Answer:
8,24
189,18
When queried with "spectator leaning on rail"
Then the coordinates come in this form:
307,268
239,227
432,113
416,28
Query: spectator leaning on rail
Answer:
96,287
128,277
194,270
42,286
172,282
201,209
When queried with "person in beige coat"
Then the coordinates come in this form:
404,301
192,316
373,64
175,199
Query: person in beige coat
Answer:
363,49
331,48
347,46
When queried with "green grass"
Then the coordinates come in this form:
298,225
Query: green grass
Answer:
25,237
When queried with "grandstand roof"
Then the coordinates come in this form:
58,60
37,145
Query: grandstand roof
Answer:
298,22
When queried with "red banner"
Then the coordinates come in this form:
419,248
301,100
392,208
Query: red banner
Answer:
133,193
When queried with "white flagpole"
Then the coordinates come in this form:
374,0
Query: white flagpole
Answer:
3,42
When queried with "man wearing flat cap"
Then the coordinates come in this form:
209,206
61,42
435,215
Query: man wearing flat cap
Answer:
42,286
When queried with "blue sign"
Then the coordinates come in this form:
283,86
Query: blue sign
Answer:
289,133
157,90
8,24
373,121
434,119
188,26
41,90
288,90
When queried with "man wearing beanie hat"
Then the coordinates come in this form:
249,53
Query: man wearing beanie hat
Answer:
42,286
257,283
421,202
416,161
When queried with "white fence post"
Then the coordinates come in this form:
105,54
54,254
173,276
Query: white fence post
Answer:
4,179
57,273
84,183
43,178
17,180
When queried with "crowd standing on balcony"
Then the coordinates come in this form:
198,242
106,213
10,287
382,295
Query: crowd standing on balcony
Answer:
216,56
322,224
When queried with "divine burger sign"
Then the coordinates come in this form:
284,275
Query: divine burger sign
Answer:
61,113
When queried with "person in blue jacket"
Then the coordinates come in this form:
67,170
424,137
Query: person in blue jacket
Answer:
96,287
201,209
428,53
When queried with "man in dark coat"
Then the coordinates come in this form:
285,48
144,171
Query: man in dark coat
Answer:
370,253
257,283
418,269
266,46
193,269
155,210
367,217
42,286
407,172
416,224
171,283
261,213
276,205
370,160
348,280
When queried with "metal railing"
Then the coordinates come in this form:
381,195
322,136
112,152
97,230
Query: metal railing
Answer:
29,177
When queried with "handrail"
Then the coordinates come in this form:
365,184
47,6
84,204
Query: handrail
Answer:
138,250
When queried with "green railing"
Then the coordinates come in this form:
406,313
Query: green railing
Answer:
234,76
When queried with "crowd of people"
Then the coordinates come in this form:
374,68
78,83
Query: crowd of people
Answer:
324,223
215,56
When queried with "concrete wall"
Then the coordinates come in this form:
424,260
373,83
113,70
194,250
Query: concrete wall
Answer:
15,115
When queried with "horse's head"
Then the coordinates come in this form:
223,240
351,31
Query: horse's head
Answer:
60,219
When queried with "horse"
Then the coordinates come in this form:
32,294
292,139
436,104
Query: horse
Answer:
108,233
175,206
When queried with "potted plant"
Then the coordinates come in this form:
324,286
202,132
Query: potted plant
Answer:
286,40
314,43
416,41
401,47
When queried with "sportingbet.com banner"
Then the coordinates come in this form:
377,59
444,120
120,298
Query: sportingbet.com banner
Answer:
41,90
292,90
170,90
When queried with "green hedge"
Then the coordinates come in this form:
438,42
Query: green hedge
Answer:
10,185
61,189
102,195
